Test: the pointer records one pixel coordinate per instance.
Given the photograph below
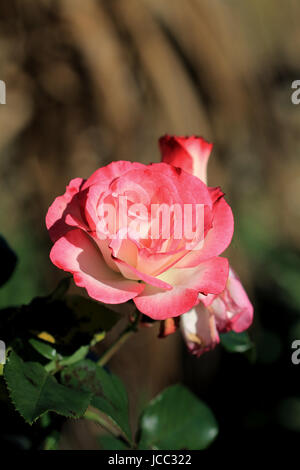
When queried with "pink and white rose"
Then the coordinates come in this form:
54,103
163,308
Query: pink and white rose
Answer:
166,276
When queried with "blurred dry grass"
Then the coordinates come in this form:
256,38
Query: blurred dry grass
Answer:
95,81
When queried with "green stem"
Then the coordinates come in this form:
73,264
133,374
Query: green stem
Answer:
92,416
124,336
96,418
116,346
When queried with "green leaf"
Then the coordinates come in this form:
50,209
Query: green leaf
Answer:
72,321
67,360
44,349
49,352
112,443
96,315
33,391
109,394
236,342
176,419
76,357
8,261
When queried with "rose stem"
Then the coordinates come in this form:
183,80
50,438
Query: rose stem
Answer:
116,346
96,418
124,336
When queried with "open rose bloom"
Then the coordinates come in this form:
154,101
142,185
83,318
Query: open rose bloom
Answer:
154,233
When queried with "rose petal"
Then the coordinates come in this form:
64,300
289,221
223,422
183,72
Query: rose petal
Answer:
75,252
217,239
61,208
199,330
132,273
209,277
232,308
191,154
111,171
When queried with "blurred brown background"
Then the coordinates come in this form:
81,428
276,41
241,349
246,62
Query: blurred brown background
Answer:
93,81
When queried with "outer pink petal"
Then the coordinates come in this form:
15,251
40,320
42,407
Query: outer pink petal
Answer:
61,208
159,304
93,194
239,310
245,317
209,277
75,252
232,308
217,239
191,154
111,171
